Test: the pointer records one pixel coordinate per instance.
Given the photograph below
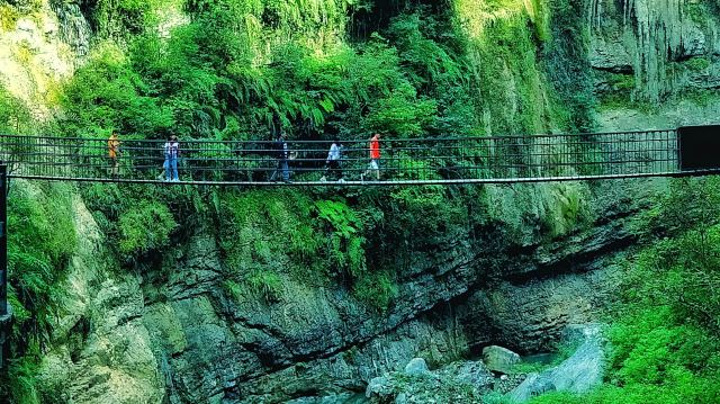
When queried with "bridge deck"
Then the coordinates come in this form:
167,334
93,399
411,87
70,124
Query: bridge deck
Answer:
434,161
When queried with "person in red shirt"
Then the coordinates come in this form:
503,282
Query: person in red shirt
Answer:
374,157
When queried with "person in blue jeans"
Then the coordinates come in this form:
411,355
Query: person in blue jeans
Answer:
172,150
281,148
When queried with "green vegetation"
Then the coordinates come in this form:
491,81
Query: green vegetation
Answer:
8,17
108,95
699,63
145,227
376,289
12,11
410,79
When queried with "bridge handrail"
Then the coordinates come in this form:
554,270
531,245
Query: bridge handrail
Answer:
416,159
344,141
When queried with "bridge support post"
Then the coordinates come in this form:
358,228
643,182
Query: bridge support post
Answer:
5,309
5,331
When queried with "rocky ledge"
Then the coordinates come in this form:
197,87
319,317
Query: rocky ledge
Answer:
472,381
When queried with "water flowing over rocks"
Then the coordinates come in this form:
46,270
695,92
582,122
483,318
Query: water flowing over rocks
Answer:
580,373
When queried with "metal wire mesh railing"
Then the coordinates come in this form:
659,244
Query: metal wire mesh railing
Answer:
402,161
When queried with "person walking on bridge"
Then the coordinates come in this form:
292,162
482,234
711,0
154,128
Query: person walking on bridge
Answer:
113,152
374,158
281,147
172,151
333,163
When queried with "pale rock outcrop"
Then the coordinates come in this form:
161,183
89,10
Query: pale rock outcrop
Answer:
114,362
40,51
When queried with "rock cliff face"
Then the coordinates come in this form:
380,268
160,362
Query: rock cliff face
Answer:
174,334
650,40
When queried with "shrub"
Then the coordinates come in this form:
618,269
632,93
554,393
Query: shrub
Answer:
145,227
376,289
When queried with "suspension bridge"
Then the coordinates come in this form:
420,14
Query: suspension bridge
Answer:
687,151
403,162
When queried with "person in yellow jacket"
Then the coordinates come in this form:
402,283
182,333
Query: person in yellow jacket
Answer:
113,153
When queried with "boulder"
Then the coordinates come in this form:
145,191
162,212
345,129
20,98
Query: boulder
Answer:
499,359
416,367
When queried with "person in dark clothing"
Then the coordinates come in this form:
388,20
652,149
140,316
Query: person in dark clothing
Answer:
283,154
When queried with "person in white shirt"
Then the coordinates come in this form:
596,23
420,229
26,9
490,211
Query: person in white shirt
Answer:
333,163
172,151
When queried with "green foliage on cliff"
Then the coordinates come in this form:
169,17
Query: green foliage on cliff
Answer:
40,244
121,18
419,75
146,226
377,289
42,241
241,68
108,95
8,17
15,117
142,222
264,234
